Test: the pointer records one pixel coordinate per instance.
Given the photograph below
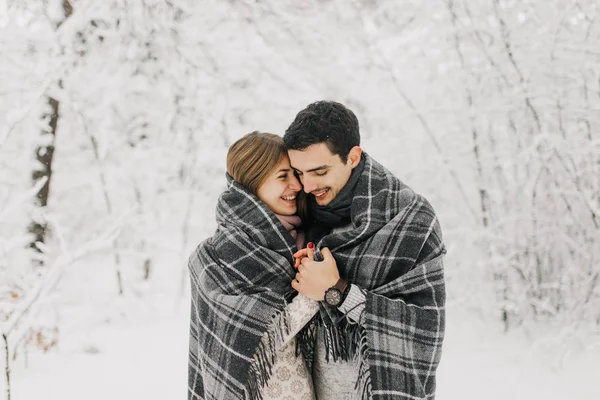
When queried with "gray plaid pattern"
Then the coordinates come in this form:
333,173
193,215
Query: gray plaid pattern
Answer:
394,251
240,283
241,278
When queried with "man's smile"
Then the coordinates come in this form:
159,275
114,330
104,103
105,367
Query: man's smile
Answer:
320,193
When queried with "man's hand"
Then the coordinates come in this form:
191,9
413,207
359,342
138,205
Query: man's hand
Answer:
315,277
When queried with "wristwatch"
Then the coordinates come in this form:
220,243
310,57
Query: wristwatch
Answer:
334,295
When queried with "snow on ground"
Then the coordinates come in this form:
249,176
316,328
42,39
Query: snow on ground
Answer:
145,358
481,362
136,348
126,358
134,362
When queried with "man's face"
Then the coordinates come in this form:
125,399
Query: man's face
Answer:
322,173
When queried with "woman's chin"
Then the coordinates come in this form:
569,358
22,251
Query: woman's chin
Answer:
286,211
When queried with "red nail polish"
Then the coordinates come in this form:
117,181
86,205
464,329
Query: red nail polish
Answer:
311,245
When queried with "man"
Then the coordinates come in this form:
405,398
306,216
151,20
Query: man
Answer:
374,261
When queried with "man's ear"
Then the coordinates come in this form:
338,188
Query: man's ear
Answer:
354,156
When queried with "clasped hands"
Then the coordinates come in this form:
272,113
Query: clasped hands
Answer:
314,277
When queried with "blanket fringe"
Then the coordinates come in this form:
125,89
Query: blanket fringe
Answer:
363,384
338,342
305,340
343,341
265,356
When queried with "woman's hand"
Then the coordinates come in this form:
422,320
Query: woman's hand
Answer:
309,252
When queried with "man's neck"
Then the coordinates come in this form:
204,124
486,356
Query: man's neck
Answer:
337,212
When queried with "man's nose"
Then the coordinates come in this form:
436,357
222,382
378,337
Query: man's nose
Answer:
309,184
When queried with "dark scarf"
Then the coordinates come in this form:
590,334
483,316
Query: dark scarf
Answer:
337,213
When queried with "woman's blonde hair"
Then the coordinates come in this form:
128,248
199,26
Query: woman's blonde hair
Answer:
251,159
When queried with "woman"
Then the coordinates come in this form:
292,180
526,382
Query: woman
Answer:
243,318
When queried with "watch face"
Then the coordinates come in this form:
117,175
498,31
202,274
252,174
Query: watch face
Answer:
333,297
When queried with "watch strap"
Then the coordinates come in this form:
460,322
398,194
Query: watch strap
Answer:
346,291
341,285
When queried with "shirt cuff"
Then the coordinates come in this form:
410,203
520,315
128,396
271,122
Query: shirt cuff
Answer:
354,304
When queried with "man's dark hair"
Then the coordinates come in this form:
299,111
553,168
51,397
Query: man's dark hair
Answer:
324,121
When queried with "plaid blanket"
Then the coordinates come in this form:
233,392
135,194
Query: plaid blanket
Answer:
393,251
240,286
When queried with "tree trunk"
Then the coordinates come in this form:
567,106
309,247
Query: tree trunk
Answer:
7,366
44,154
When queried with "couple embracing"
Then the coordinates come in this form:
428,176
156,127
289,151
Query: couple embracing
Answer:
324,278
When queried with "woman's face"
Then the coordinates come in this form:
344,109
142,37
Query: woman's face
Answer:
279,190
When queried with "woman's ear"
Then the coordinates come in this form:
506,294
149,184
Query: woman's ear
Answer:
354,156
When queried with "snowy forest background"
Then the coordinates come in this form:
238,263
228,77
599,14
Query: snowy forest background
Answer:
116,115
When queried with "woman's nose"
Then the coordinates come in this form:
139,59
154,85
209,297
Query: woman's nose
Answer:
294,184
